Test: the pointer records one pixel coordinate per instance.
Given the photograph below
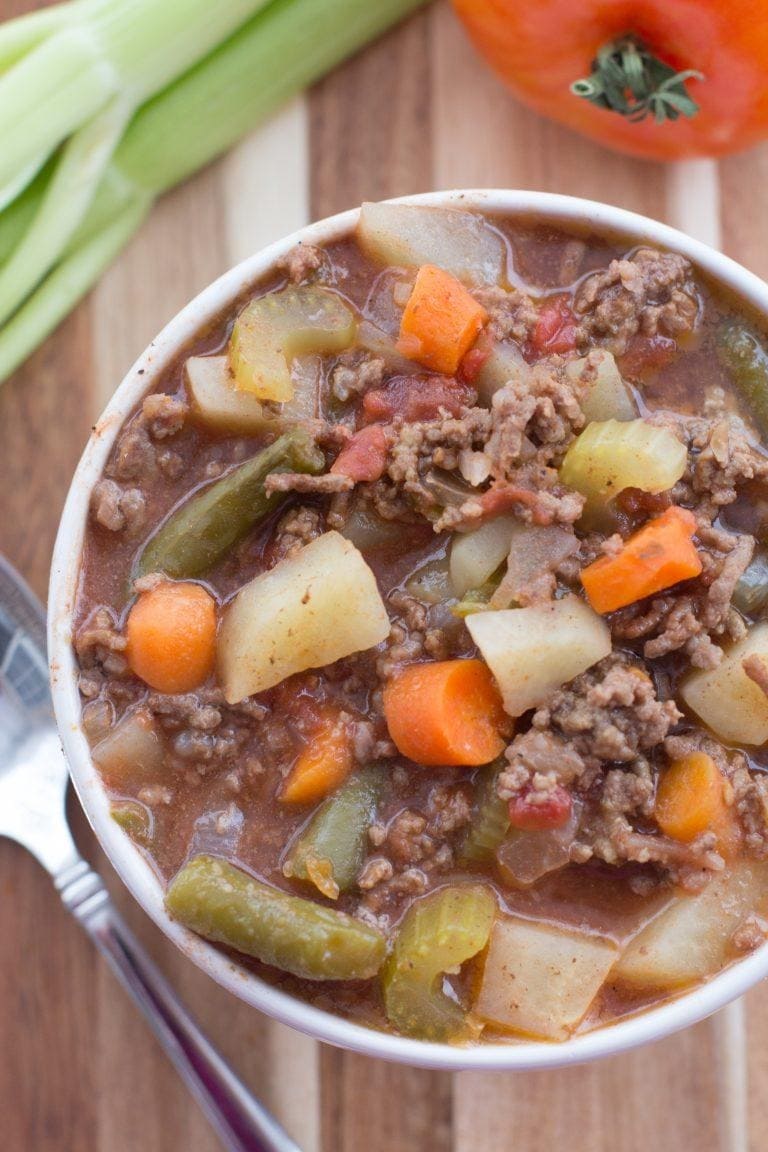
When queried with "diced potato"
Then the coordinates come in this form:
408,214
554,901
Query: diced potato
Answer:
476,555
273,329
410,235
726,699
215,400
540,979
218,403
612,455
690,939
505,363
132,751
534,651
307,611
608,397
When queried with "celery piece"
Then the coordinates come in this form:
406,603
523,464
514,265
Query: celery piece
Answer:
203,529
746,361
134,819
612,455
329,851
273,329
438,934
489,823
224,904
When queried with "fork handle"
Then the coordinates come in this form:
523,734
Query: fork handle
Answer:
242,1123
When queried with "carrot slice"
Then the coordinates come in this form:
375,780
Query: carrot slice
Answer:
448,712
441,321
661,554
171,634
690,799
323,765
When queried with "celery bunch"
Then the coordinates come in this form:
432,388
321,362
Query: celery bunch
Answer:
105,104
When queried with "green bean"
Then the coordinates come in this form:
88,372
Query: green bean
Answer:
746,360
329,851
489,823
438,934
224,904
203,529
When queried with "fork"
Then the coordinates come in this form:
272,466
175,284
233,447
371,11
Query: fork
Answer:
33,788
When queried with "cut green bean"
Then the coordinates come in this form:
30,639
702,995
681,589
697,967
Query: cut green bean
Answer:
438,934
489,823
226,905
200,532
746,361
329,851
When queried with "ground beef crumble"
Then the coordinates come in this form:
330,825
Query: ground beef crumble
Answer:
649,292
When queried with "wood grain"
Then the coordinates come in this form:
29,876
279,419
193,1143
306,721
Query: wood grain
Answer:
81,1073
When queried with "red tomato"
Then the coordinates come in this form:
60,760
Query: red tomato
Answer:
541,49
555,329
364,457
417,398
553,812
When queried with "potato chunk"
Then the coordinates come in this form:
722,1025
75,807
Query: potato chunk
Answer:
540,979
691,937
476,555
726,699
608,397
307,611
215,400
533,651
410,235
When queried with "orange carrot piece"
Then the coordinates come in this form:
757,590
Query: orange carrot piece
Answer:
690,799
441,321
661,554
323,765
448,712
171,633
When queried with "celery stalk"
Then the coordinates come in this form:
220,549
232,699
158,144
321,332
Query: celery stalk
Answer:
62,289
67,199
19,36
130,49
265,61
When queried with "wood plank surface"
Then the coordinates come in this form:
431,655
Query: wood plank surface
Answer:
81,1073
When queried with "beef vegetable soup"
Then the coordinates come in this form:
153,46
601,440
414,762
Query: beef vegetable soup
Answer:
421,627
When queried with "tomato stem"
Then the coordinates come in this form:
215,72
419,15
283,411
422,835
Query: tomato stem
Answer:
628,78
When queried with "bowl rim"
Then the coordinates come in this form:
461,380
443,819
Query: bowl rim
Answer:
135,872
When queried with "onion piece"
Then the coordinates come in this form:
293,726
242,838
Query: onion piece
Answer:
524,857
534,552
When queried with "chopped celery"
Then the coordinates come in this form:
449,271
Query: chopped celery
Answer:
476,555
612,455
746,361
751,593
477,599
329,851
222,903
490,817
210,522
437,935
273,329
134,818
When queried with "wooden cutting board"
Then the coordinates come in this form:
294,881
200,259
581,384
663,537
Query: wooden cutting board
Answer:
80,1072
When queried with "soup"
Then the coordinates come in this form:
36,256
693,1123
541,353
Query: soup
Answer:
420,627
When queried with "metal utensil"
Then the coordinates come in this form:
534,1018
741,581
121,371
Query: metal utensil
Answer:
33,786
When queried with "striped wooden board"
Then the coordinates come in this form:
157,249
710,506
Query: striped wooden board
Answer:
79,1071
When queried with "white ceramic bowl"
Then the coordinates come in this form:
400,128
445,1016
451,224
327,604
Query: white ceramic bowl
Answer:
135,872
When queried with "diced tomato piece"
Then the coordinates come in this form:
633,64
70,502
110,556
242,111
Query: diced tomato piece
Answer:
543,815
417,398
647,354
364,457
473,362
555,329
506,496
